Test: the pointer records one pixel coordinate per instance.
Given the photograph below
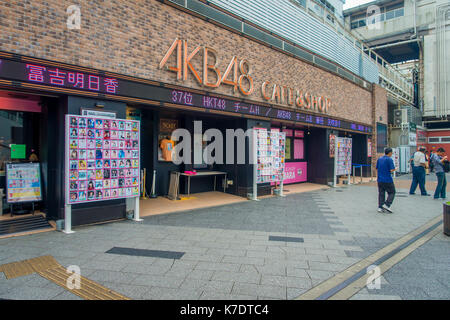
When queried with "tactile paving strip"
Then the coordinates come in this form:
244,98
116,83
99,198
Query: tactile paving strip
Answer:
16,269
89,290
42,263
48,268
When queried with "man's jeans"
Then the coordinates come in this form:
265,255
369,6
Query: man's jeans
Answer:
384,187
418,178
441,186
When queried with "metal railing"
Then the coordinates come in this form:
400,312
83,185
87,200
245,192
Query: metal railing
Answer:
395,83
389,77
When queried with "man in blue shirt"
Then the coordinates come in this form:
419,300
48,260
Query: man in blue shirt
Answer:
385,166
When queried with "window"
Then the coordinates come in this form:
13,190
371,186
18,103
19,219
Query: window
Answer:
390,15
433,140
301,2
381,137
18,128
399,12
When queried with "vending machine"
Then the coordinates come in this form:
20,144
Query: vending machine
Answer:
405,155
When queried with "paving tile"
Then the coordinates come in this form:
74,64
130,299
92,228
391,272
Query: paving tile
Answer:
247,277
32,293
218,296
200,274
276,292
243,260
158,281
271,269
66,295
202,257
223,287
105,265
215,266
162,293
324,266
296,272
293,293
291,282
135,292
374,297
113,276
319,274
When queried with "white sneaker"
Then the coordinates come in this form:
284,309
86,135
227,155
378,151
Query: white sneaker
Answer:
388,209
380,210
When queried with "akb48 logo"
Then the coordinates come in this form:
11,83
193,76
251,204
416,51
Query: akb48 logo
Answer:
235,75
207,73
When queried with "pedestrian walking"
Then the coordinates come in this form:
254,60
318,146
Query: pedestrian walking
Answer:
420,164
438,160
431,164
385,167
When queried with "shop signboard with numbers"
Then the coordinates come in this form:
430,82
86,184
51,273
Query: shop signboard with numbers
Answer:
102,159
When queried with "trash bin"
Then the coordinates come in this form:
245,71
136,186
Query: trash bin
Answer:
447,218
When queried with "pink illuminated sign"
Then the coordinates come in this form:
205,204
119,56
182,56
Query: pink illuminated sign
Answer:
295,172
299,134
64,78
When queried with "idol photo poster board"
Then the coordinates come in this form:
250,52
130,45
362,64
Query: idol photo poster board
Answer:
23,182
102,159
270,146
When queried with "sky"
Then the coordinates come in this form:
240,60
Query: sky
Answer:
353,3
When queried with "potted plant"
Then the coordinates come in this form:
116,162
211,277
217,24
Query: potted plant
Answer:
447,218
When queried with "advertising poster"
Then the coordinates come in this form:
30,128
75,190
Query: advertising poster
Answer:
288,149
396,158
23,182
102,159
270,149
295,172
299,149
369,147
343,155
332,145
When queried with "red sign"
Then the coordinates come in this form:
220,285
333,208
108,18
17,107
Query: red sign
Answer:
299,134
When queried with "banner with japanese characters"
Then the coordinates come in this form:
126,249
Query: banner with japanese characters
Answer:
23,182
102,159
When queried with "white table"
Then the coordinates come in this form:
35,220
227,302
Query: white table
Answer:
203,174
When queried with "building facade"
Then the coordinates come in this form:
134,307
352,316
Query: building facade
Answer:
414,36
169,65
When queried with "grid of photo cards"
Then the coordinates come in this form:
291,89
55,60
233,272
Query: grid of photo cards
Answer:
102,159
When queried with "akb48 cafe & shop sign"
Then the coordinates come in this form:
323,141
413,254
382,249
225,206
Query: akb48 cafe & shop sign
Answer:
94,128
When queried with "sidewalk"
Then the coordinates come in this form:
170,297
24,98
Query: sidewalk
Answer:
230,251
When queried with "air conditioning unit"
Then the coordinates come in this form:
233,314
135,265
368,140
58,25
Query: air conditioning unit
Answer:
400,116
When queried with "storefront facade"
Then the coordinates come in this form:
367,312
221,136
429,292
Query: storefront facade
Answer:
168,69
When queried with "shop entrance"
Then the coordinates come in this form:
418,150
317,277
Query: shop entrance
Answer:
21,136
213,184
